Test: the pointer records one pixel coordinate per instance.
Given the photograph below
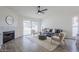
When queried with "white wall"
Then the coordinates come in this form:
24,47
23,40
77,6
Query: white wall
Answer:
17,21
59,22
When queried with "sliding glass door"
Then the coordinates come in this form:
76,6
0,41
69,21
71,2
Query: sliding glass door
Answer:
27,28
34,27
31,27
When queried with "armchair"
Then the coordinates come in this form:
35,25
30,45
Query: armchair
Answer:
59,38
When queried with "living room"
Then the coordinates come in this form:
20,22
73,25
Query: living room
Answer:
27,21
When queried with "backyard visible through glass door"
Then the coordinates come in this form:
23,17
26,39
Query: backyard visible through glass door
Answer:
34,27
30,27
27,28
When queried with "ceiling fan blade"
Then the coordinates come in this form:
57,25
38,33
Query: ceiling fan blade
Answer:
41,12
44,10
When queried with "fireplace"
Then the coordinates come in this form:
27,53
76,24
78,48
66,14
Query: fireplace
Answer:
8,35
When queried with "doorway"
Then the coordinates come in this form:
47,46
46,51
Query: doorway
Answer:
26,28
31,27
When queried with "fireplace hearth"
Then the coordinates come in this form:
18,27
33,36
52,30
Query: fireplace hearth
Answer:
8,35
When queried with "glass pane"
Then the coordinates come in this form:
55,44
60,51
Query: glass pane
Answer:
75,31
34,27
75,26
75,21
27,28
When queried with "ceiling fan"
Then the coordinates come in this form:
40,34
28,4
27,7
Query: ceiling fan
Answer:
39,11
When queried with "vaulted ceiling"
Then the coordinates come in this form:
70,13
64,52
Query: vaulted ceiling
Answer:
31,11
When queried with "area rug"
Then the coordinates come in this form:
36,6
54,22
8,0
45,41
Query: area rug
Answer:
45,43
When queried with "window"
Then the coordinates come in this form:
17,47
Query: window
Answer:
75,26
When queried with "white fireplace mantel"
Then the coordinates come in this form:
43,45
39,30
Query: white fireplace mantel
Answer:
5,29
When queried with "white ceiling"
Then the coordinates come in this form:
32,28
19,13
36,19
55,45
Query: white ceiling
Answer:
31,11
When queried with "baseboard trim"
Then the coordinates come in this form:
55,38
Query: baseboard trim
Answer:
70,38
0,47
18,37
67,38
64,38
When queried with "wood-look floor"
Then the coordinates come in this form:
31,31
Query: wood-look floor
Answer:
23,44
